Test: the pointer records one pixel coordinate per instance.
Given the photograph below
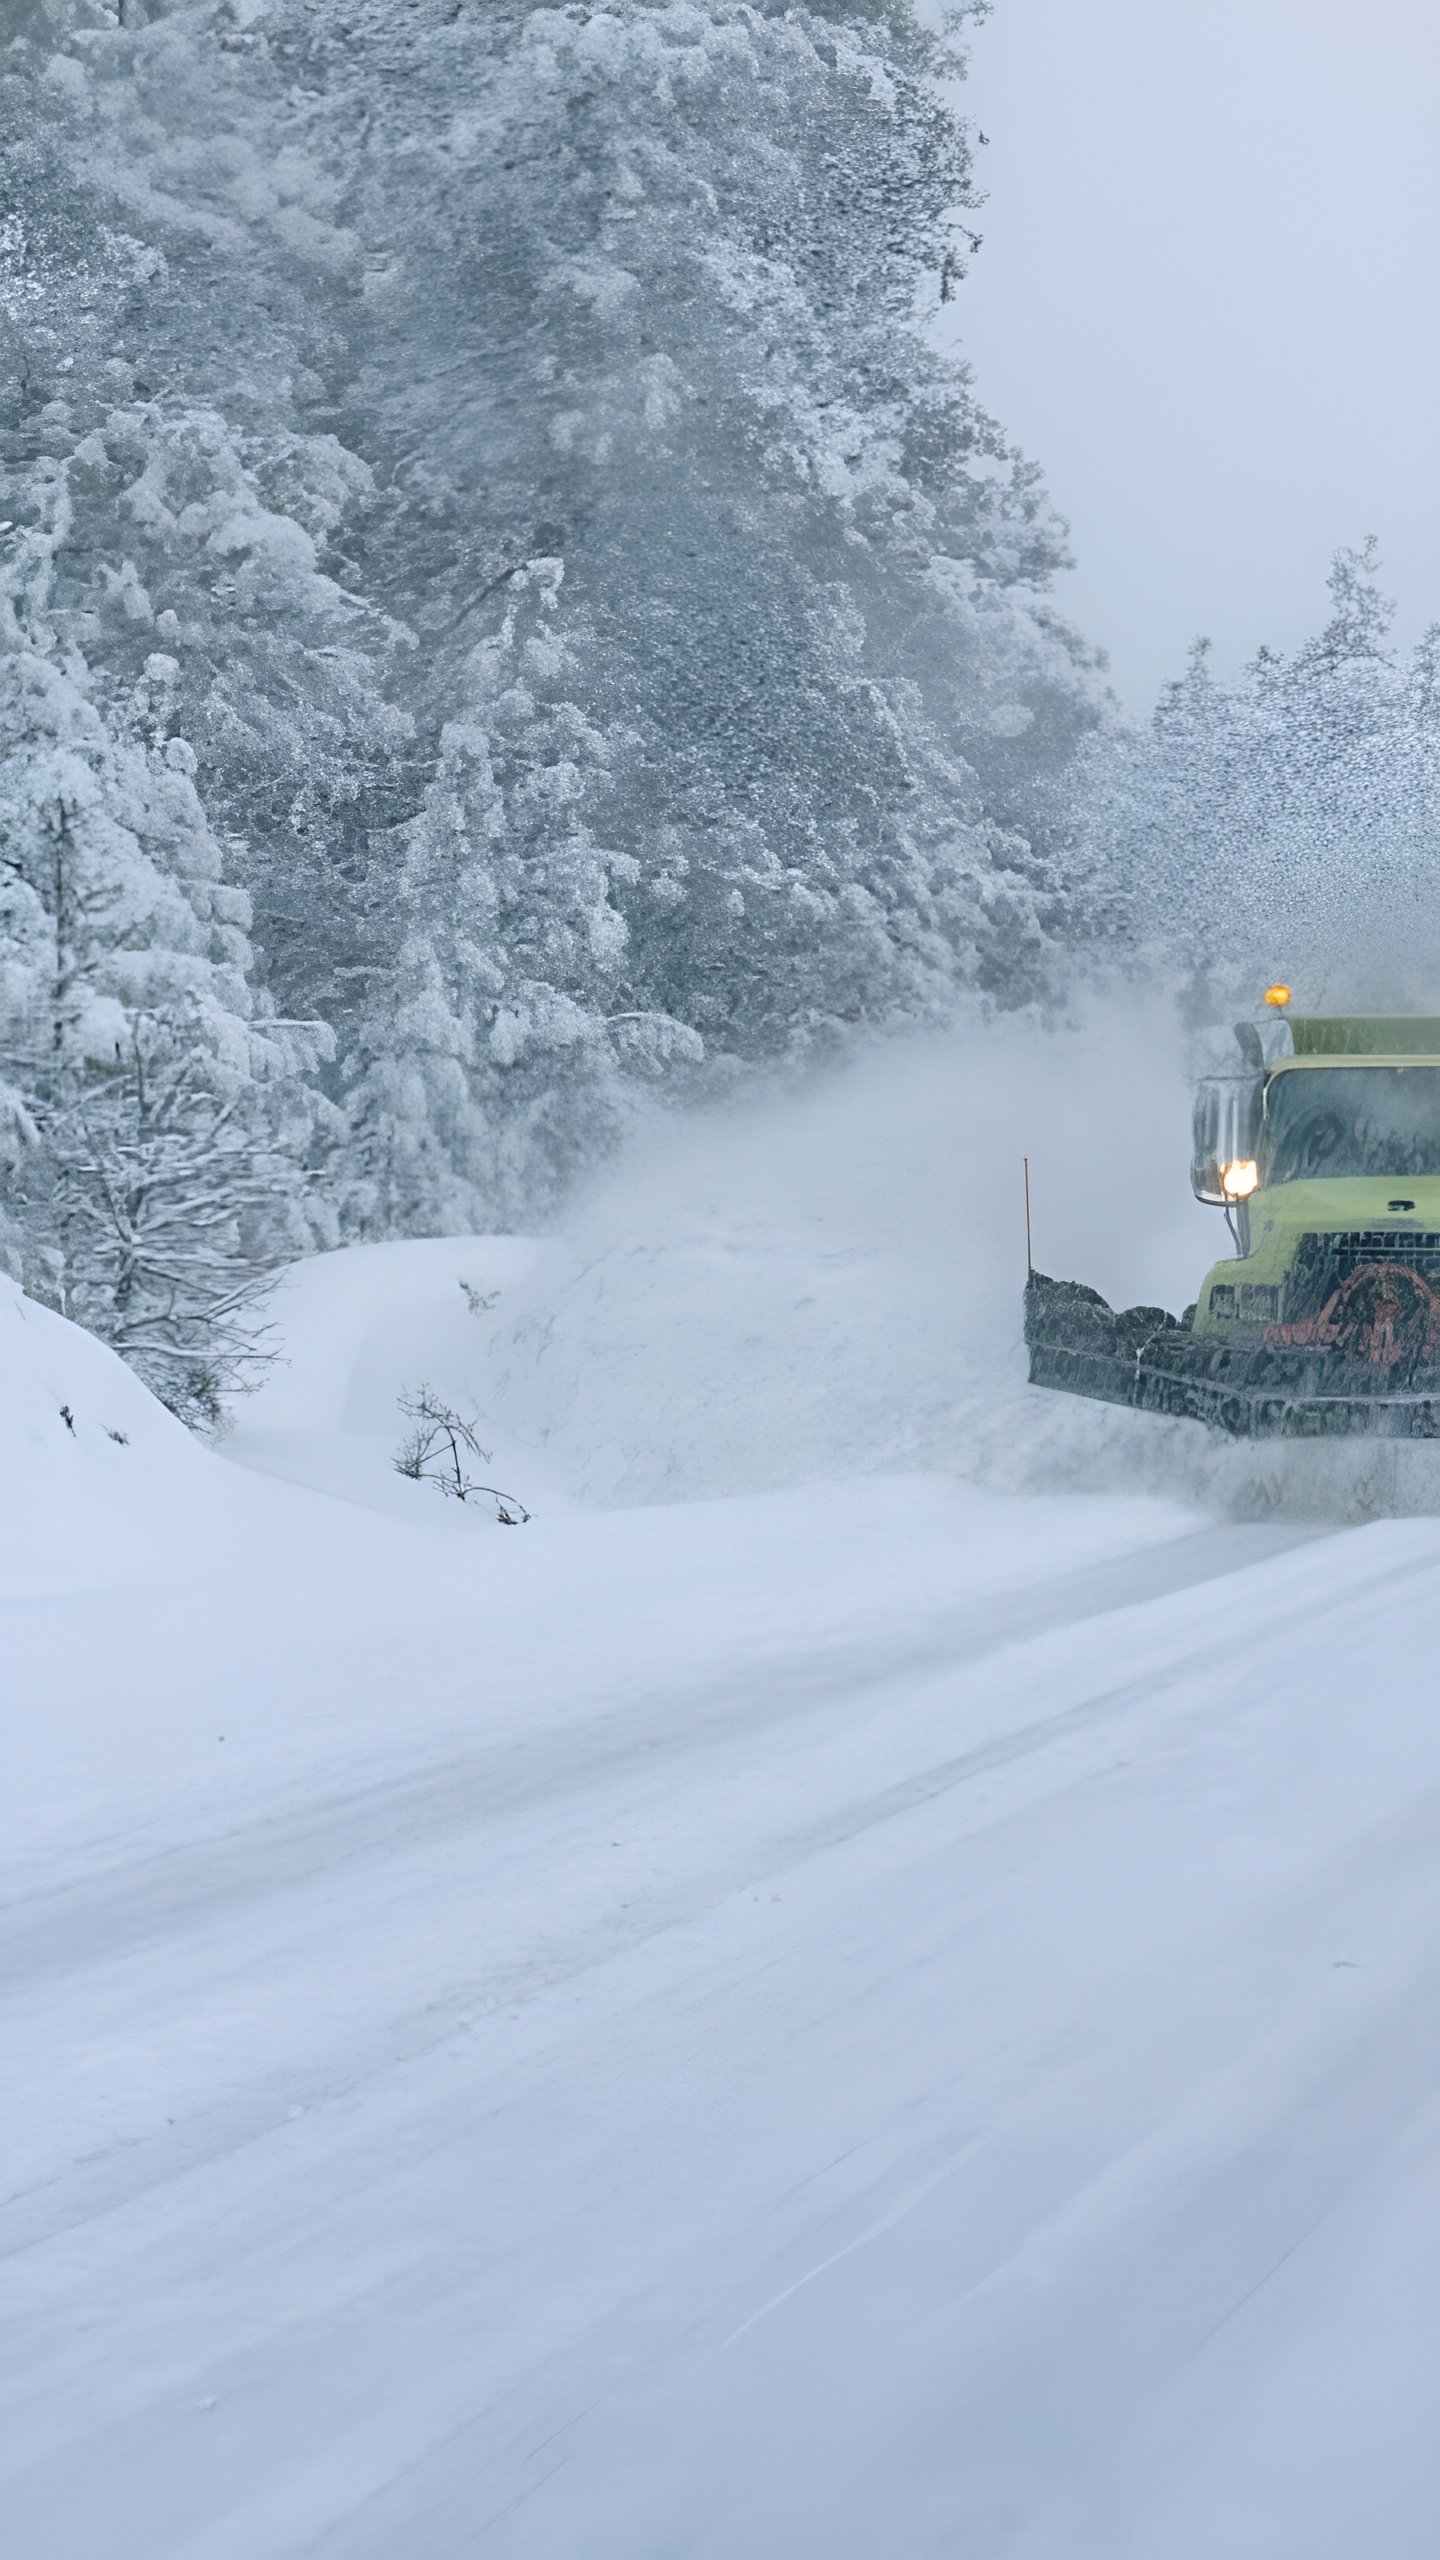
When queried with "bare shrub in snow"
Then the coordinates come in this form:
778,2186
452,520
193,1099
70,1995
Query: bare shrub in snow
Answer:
437,1450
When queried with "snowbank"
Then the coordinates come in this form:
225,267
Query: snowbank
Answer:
95,1476
359,1327
358,1331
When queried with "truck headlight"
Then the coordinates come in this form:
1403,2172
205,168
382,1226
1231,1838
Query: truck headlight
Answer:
1237,1181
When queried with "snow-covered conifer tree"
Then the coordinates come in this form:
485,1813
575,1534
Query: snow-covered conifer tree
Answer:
1287,825
157,1128
612,636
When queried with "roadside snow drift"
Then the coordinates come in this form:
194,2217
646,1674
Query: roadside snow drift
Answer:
96,1478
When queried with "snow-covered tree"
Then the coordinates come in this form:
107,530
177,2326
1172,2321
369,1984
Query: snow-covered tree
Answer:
495,1065
190,515
616,643
1286,826
157,1128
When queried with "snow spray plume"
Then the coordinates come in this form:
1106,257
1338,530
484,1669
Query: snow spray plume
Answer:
828,1282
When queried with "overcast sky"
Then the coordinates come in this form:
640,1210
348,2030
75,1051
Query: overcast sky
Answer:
1208,302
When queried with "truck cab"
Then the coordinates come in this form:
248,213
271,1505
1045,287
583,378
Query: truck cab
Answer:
1323,1151
1325,1157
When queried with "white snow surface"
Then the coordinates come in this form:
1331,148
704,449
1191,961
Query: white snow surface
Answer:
864,1987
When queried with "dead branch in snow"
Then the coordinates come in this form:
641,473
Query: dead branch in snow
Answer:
436,1453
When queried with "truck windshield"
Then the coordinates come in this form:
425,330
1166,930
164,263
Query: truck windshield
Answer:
1342,1121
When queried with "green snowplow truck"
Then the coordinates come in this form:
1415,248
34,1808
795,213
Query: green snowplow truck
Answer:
1323,1152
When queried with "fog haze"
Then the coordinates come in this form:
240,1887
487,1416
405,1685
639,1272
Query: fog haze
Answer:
1204,303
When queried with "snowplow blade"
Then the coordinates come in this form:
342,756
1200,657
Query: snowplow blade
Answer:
1142,1357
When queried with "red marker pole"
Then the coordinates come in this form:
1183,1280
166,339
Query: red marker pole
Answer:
1029,1255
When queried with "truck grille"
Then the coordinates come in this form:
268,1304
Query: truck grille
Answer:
1323,1261
1368,1294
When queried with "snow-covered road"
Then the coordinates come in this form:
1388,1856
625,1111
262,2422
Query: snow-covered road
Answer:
798,2114
881,2019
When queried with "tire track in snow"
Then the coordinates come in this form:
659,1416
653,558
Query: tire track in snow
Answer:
105,1915
284,2360
644,1754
